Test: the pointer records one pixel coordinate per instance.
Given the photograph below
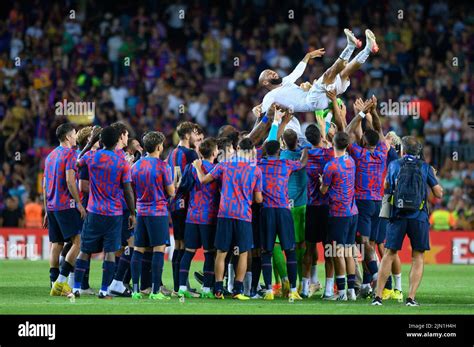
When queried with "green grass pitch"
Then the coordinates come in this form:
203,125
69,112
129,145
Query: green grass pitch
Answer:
24,289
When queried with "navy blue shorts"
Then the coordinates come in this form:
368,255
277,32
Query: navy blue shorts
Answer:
64,224
178,218
368,220
101,233
126,232
233,235
256,227
199,235
151,231
418,232
381,234
316,229
342,230
277,221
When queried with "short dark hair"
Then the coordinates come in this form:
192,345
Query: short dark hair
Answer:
109,136
63,130
223,143
291,138
271,147
371,137
198,129
152,140
411,145
120,128
341,140
313,134
246,144
185,128
207,147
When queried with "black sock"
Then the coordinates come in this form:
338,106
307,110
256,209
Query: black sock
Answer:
53,274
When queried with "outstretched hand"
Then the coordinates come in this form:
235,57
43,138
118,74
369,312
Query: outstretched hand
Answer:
317,53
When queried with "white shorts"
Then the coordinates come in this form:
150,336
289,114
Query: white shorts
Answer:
317,94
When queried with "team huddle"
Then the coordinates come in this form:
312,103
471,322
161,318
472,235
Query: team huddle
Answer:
258,202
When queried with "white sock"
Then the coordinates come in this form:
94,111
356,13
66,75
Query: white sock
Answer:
70,280
347,52
61,279
375,276
247,282
293,290
314,274
351,291
329,290
269,291
305,285
398,281
183,288
206,289
365,285
362,56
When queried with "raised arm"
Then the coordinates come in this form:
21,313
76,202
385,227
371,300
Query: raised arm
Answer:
352,129
299,69
376,118
95,136
336,111
203,178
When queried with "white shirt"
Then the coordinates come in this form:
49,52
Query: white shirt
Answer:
118,96
289,95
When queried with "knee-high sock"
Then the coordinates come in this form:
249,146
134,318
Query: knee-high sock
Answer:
299,260
123,265
256,271
347,52
184,266
157,270
85,281
175,260
279,261
136,269
146,271
108,268
388,284
267,269
128,276
208,269
291,266
53,274
79,273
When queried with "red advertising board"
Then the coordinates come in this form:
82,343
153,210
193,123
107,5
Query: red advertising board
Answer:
447,247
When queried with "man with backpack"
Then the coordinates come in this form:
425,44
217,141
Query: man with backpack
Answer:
407,180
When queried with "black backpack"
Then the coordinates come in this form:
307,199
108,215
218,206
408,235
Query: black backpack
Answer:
409,191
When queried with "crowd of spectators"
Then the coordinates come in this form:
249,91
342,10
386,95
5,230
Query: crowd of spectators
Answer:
153,64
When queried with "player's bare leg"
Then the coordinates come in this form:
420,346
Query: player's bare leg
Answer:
416,273
307,260
355,64
350,270
56,249
384,271
340,267
330,74
219,272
